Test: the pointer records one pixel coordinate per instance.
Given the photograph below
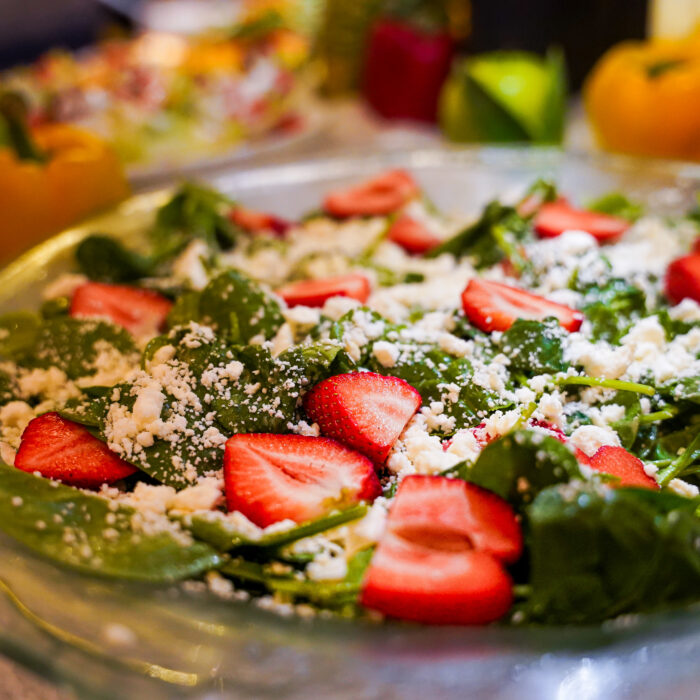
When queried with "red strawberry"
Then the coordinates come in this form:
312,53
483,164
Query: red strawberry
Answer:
440,561
381,195
553,218
316,292
683,279
620,463
256,221
274,477
364,410
696,246
66,451
434,586
492,306
440,512
140,311
412,235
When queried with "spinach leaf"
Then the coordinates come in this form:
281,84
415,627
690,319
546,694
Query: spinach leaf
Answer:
535,347
600,552
611,308
185,309
105,259
628,425
239,308
684,389
674,327
617,204
519,465
74,344
195,211
267,395
214,527
18,334
330,594
479,241
8,388
188,451
60,306
89,533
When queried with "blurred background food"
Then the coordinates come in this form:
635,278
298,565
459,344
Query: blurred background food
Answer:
166,85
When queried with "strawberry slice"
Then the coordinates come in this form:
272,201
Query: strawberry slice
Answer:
435,509
140,311
412,235
363,410
423,584
381,195
441,558
65,451
256,221
298,477
316,292
492,306
620,463
553,218
683,279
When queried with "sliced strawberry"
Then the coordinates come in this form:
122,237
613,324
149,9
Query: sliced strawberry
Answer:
412,235
620,463
65,451
276,477
683,279
447,513
364,410
492,306
381,195
553,218
140,311
256,221
441,558
316,292
433,586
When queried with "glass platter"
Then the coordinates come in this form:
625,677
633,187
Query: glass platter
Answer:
175,644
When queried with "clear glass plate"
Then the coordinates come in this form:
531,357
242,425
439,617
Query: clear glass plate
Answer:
170,643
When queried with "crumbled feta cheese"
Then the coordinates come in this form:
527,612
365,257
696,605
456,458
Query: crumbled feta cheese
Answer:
590,438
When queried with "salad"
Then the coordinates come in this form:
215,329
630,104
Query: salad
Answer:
161,98
378,411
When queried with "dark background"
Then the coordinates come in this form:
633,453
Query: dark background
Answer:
584,28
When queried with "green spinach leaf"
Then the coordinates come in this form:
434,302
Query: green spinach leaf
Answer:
89,533
600,552
520,464
240,308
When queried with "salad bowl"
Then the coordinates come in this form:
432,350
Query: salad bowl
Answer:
108,639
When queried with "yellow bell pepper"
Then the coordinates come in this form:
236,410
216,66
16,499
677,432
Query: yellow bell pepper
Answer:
644,98
50,179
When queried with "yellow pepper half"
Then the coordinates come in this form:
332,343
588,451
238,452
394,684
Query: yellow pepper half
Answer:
77,175
644,98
